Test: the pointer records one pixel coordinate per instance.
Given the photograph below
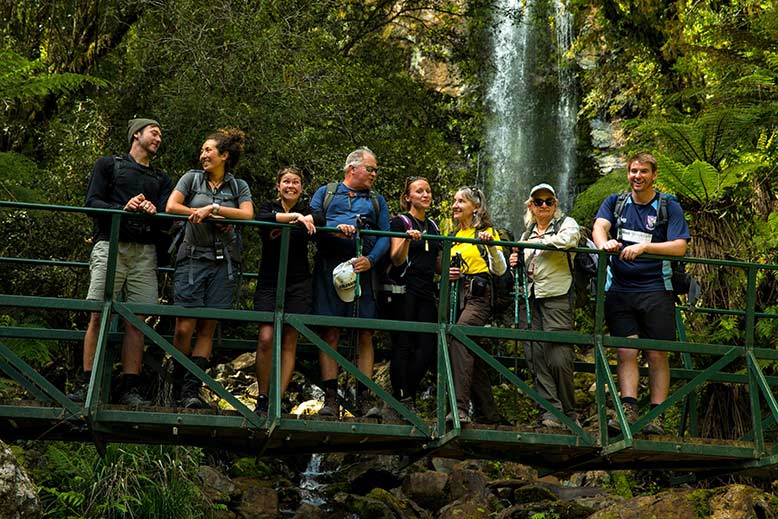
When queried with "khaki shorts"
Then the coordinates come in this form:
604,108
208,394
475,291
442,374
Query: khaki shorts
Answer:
136,272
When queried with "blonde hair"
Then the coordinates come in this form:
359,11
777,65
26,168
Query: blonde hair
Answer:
529,218
481,217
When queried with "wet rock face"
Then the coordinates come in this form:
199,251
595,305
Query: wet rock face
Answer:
18,494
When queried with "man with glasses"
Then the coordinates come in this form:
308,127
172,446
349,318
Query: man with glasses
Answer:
349,205
639,299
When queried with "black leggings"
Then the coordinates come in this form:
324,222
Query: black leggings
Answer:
413,353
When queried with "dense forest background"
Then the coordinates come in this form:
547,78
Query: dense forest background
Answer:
694,81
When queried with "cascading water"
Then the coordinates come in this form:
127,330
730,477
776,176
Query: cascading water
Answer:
531,133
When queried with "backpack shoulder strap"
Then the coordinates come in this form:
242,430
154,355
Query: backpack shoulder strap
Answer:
332,188
618,209
406,221
376,205
434,225
661,208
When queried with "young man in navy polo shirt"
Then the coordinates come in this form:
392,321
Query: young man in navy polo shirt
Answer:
639,299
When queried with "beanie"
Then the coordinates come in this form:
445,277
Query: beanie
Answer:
134,125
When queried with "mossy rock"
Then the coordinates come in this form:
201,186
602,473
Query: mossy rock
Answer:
533,494
250,467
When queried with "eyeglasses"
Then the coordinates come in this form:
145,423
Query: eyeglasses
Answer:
540,201
371,169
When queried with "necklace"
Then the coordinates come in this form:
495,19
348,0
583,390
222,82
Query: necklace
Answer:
214,185
423,228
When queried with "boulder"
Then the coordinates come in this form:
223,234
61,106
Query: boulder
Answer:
307,511
426,488
469,508
18,494
258,503
466,483
740,502
673,504
216,486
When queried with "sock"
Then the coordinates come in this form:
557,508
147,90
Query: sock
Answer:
629,400
330,384
86,376
131,380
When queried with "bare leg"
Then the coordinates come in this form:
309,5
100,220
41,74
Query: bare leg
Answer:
288,355
90,341
204,342
264,357
182,338
658,375
132,349
366,354
629,376
329,368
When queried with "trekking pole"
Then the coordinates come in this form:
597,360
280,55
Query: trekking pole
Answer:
456,261
353,334
516,296
522,267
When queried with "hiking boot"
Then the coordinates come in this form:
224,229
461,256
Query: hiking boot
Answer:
632,414
388,413
463,417
655,426
550,422
365,406
79,393
330,407
190,397
132,397
262,406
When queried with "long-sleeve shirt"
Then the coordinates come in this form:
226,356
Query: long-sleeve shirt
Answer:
549,271
113,182
343,208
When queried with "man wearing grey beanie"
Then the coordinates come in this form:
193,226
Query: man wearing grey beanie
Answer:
127,182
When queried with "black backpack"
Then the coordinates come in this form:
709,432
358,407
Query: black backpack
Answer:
503,287
683,282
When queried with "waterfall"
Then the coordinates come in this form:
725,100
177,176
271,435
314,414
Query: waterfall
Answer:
532,103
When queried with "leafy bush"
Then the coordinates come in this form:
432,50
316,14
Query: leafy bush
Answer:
129,481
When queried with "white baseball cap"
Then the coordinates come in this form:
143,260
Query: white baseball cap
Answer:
540,187
345,280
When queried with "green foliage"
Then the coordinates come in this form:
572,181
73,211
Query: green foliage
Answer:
588,202
699,182
19,179
129,481
23,79
250,467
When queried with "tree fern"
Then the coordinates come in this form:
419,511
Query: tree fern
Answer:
699,182
23,79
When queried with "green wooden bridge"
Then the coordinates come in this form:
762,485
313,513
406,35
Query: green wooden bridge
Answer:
46,413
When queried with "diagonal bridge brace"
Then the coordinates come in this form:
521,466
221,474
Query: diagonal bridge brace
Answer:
217,388
317,341
677,395
458,332
32,381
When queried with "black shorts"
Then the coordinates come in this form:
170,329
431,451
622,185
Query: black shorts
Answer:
297,298
649,315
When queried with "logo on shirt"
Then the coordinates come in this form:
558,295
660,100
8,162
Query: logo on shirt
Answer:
650,222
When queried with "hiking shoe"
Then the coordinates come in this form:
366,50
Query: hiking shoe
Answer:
463,417
550,422
79,393
330,407
132,397
655,426
262,406
632,415
366,408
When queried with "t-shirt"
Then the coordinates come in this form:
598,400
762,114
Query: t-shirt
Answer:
202,240
343,208
298,268
473,262
418,273
638,225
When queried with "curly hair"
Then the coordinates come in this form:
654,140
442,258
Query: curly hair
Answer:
230,140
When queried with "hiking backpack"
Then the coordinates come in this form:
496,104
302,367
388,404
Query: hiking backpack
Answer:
683,283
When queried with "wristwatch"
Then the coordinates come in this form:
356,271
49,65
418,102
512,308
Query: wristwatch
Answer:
216,208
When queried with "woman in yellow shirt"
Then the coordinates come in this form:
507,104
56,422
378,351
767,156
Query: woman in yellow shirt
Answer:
478,264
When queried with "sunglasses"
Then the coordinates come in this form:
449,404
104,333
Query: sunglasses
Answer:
540,201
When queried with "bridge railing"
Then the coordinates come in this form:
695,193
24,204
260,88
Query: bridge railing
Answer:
440,433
